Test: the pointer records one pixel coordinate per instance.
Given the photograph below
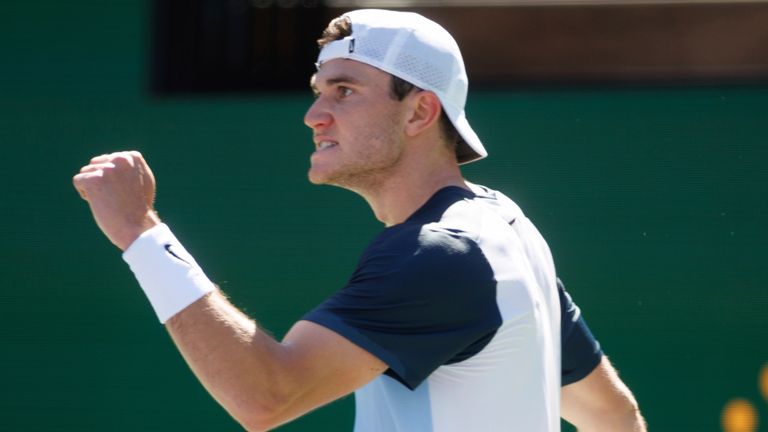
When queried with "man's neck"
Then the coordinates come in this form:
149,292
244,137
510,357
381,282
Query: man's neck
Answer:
402,194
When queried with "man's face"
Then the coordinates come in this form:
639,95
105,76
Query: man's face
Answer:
357,127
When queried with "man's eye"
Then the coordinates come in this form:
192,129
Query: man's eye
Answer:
344,91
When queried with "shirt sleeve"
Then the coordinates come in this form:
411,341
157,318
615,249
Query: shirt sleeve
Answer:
581,352
417,300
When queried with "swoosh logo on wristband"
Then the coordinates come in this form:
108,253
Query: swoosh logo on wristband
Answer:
170,251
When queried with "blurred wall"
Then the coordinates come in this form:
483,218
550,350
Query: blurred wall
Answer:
651,41
204,46
653,202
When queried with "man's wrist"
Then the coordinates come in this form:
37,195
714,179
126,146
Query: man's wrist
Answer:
134,231
168,274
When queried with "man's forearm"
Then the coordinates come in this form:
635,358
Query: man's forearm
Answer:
233,359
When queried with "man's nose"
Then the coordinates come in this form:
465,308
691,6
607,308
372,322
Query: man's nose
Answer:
317,116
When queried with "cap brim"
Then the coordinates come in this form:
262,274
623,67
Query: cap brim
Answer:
471,149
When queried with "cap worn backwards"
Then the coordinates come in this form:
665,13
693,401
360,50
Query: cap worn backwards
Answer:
418,50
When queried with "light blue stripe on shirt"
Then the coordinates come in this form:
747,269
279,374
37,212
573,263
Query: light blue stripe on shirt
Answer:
406,411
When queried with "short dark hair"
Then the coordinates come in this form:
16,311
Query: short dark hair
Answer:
340,28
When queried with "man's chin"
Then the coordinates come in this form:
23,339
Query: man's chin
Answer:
317,177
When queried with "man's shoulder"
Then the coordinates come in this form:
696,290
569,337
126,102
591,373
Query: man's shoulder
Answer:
422,240
452,224
497,202
424,258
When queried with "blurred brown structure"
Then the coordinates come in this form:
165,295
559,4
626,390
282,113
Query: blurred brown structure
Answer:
201,46
609,41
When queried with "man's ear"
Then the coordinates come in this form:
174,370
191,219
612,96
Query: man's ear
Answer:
425,113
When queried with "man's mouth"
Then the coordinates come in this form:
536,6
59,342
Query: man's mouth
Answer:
322,145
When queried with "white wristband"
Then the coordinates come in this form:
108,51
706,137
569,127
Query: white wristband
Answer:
169,276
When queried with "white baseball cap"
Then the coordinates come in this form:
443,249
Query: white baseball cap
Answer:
418,50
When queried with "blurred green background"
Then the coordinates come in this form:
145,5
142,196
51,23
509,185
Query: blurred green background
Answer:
654,202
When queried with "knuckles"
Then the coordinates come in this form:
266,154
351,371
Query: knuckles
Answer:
130,157
86,180
107,167
122,160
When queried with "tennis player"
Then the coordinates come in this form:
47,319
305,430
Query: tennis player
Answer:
451,320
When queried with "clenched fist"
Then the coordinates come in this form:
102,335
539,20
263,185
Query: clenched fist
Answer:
120,189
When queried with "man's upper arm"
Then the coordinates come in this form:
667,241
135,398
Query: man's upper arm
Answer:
601,402
581,352
326,366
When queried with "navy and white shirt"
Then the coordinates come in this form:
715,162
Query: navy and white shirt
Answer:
461,302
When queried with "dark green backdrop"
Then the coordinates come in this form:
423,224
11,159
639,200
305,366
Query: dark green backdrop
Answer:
653,201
